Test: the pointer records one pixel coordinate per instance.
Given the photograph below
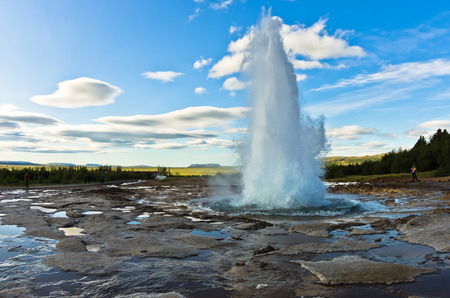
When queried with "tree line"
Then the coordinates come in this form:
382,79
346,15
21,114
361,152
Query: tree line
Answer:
69,174
432,155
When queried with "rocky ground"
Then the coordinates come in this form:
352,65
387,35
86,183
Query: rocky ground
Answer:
151,238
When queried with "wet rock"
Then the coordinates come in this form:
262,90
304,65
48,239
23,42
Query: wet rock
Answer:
16,292
249,226
320,229
85,262
264,250
60,221
431,230
152,295
343,245
166,222
356,269
357,231
74,214
73,244
203,242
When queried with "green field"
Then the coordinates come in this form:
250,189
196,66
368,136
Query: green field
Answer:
184,171
346,160
176,171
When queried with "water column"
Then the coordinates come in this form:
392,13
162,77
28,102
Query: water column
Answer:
280,166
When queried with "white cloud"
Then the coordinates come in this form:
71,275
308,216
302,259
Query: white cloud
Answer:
315,43
435,124
202,63
162,146
233,84
227,65
373,144
415,133
300,77
11,113
221,143
303,64
405,72
349,132
192,117
163,76
200,90
221,4
234,29
309,42
79,92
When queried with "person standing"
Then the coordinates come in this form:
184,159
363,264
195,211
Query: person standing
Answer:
27,180
102,179
414,173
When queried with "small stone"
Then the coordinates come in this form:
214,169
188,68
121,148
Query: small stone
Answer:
264,250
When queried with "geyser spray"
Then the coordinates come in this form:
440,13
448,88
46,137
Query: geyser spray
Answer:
280,165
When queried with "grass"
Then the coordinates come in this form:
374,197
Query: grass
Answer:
361,178
346,160
183,171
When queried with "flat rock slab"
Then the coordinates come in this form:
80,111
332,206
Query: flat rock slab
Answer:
357,231
430,229
343,245
356,269
320,229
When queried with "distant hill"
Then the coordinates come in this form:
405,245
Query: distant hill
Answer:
62,164
92,165
205,165
18,163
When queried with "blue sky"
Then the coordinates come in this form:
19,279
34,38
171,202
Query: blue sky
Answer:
159,82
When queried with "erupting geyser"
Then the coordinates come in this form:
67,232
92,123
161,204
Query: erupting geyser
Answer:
280,166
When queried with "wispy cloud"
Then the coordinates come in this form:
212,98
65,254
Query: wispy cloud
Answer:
78,93
193,117
363,98
349,132
234,29
194,15
221,4
12,114
163,76
405,72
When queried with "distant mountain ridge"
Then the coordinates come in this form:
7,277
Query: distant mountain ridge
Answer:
205,165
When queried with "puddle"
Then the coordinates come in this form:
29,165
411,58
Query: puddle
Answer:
43,209
10,230
93,247
92,212
402,252
197,219
144,215
73,231
60,214
216,234
14,200
125,209
133,222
